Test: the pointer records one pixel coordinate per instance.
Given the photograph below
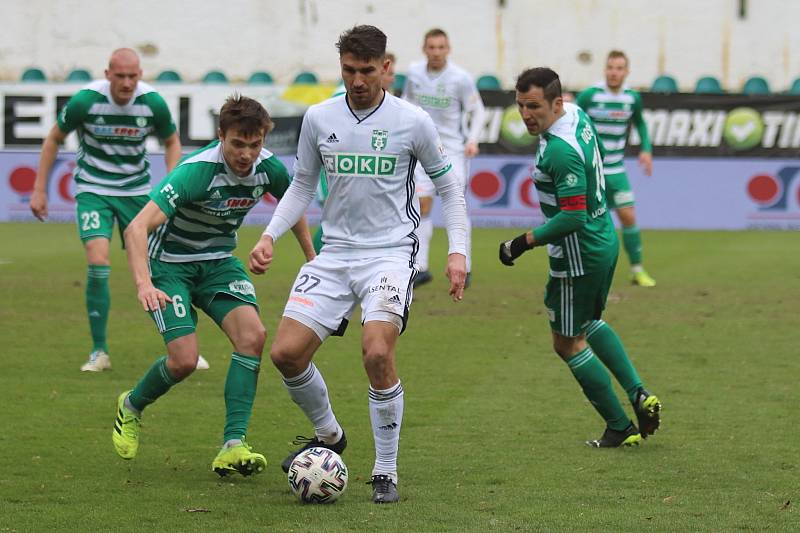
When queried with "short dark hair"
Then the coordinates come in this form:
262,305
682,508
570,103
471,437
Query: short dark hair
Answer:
434,32
614,54
541,77
244,114
391,57
364,42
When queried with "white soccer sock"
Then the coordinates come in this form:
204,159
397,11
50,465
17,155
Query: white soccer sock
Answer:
386,415
425,233
309,392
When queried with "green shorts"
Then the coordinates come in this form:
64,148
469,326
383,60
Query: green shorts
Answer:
216,287
618,191
572,303
95,214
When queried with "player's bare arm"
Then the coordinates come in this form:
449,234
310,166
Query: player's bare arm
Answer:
646,162
50,148
148,219
303,237
172,151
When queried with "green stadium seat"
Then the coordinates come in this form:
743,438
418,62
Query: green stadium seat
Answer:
795,88
260,78
708,85
215,76
33,75
306,78
664,84
399,82
169,76
79,75
756,85
488,82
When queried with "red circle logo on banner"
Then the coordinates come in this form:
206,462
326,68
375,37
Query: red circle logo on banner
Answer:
487,186
22,179
764,189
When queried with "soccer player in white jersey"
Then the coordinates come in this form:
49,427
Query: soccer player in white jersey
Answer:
369,142
112,117
448,93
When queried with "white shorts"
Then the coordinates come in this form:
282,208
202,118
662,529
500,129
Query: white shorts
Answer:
328,288
424,185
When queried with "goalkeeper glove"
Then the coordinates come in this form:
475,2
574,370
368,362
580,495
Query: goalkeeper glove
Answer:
514,248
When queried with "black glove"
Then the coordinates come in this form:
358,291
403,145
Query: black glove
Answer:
512,249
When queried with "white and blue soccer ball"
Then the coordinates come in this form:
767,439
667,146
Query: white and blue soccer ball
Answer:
318,475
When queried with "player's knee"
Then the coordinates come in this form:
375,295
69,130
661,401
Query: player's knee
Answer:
376,357
181,368
251,341
285,359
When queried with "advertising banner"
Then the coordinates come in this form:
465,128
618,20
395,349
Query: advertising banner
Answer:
705,193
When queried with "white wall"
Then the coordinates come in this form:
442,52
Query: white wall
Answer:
685,38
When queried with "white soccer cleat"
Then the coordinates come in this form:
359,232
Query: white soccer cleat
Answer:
98,361
202,364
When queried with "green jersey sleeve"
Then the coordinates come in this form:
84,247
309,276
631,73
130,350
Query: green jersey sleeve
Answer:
640,124
180,187
163,124
74,112
584,98
279,179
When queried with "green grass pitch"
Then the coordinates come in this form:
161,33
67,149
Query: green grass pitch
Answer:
494,423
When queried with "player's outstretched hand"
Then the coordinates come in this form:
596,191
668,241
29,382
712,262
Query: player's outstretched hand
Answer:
510,250
39,205
153,299
646,162
261,255
456,272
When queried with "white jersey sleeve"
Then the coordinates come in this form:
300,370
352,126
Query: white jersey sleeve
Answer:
472,104
428,147
304,185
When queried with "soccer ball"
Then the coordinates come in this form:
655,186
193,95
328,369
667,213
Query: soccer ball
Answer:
318,475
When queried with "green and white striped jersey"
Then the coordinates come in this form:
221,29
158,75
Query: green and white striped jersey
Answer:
612,114
112,160
568,175
205,203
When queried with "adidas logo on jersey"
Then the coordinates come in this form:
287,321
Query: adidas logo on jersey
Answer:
395,299
216,195
332,138
99,120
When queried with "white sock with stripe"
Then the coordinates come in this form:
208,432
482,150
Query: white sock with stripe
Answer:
386,415
309,392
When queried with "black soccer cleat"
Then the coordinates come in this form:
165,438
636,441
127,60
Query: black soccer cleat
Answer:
422,278
383,489
648,409
614,439
307,443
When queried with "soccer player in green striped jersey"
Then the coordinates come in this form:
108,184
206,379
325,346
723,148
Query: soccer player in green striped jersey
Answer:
583,248
614,107
187,264
113,118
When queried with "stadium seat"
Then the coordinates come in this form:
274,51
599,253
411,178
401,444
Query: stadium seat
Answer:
795,88
756,85
169,76
306,78
708,85
260,78
664,84
215,76
33,75
79,75
488,82
399,82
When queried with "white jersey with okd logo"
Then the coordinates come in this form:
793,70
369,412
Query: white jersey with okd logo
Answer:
369,161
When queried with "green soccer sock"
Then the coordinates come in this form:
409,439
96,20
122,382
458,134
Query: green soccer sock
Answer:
154,384
632,241
317,240
98,302
596,384
240,392
607,345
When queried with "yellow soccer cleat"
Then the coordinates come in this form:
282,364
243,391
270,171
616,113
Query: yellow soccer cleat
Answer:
240,458
643,279
126,430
